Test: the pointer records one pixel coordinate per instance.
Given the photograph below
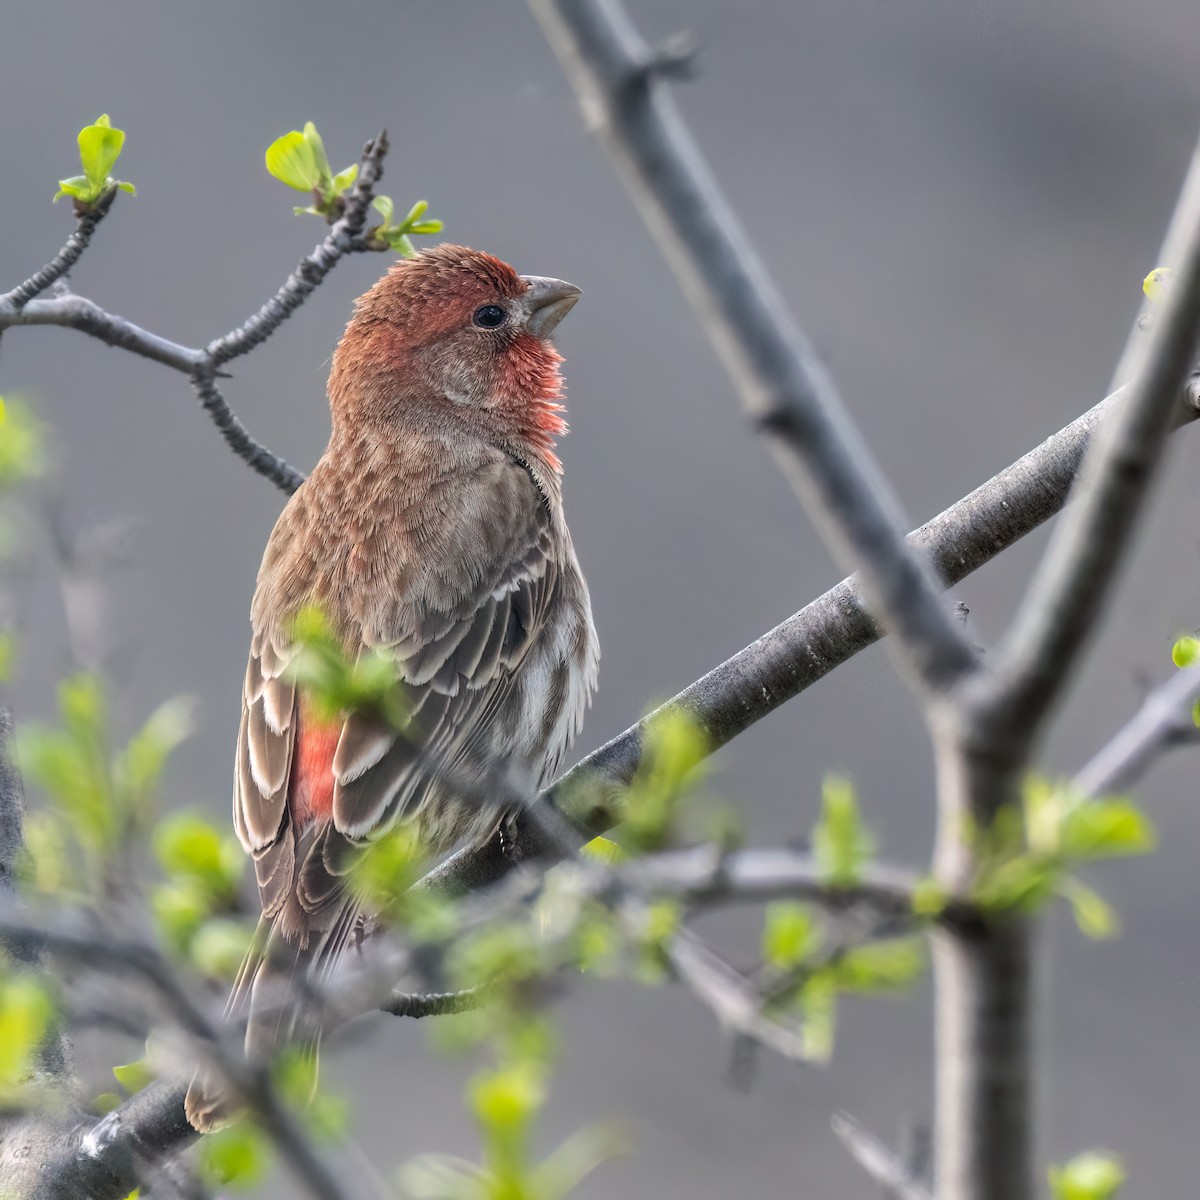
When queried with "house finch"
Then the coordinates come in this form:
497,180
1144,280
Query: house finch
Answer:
431,529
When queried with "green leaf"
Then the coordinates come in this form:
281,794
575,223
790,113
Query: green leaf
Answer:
1157,284
8,655
603,850
237,1157
383,206
292,161
25,1015
1106,829
1093,914
928,898
180,908
1185,651
1022,883
135,1075
46,865
818,1007
675,748
790,935
383,872
138,769
317,146
431,226
218,947
1096,1175
571,1163
441,1177
415,213
841,842
880,966
22,449
99,148
343,179
508,1099
190,846
596,943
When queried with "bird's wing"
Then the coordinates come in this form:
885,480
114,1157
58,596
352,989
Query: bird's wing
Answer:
457,627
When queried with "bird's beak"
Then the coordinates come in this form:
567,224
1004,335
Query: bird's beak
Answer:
548,301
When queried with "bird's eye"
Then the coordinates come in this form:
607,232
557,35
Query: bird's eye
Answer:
490,316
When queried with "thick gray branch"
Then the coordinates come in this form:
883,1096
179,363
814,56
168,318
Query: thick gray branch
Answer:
807,646
783,386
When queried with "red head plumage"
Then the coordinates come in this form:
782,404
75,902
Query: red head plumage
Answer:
456,336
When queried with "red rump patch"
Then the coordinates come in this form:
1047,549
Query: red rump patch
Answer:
310,790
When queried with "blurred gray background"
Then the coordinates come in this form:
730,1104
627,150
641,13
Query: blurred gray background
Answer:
959,199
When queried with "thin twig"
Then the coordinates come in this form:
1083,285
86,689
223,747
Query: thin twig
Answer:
252,452
704,876
78,312
730,996
783,386
881,1163
1131,749
438,1004
250,1082
64,260
343,238
21,307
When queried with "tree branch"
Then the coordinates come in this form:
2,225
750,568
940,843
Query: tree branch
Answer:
1131,749
12,810
736,1005
784,388
803,649
19,307
64,260
1075,578
703,876
783,385
250,1081
344,237
881,1163
253,453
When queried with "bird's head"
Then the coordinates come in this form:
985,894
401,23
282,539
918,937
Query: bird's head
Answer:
456,334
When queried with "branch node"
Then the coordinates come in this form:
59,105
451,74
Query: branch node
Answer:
675,58
878,1160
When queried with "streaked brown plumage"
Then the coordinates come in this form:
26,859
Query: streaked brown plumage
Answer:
432,528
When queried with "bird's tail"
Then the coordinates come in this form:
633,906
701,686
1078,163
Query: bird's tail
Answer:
266,996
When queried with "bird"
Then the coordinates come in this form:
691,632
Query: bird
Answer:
432,531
